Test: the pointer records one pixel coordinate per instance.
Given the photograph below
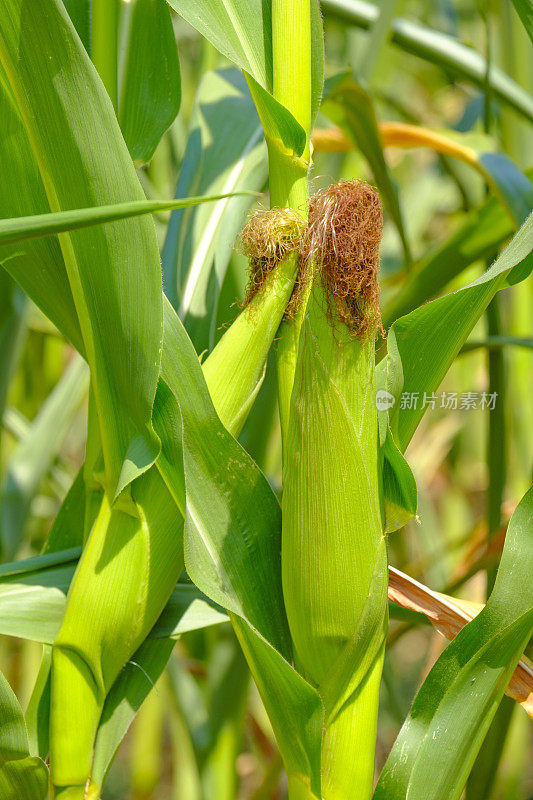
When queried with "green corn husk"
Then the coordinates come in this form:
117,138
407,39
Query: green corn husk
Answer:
125,576
235,369
334,565
134,554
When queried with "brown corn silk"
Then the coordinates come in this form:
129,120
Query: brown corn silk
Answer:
342,245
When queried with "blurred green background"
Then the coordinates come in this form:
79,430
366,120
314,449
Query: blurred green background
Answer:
203,733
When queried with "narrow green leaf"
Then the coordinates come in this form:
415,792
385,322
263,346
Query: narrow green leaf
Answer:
68,526
12,307
125,698
105,16
22,228
240,502
451,714
294,709
13,734
79,12
399,487
484,774
225,153
39,268
497,342
38,711
24,779
46,64
525,12
150,91
423,344
21,777
34,456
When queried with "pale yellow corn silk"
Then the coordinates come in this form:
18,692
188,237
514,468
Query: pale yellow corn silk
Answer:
267,239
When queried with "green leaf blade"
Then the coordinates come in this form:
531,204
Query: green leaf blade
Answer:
439,741
115,302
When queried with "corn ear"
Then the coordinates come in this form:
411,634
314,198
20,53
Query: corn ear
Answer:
234,371
134,553
334,566
125,575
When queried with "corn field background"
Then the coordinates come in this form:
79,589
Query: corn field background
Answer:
179,658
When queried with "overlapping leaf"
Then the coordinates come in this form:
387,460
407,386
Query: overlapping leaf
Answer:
35,454
438,742
225,153
114,300
423,344
232,552
21,776
33,596
525,11
242,31
150,90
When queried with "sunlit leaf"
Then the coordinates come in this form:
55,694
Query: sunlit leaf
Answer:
439,741
225,153
150,90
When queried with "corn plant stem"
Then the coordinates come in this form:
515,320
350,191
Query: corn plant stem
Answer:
291,48
104,44
288,185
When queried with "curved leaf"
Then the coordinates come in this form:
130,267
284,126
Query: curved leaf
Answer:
22,228
150,90
13,734
423,344
21,777
525,12
451,714
115,301
232,552
225,153
39,268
